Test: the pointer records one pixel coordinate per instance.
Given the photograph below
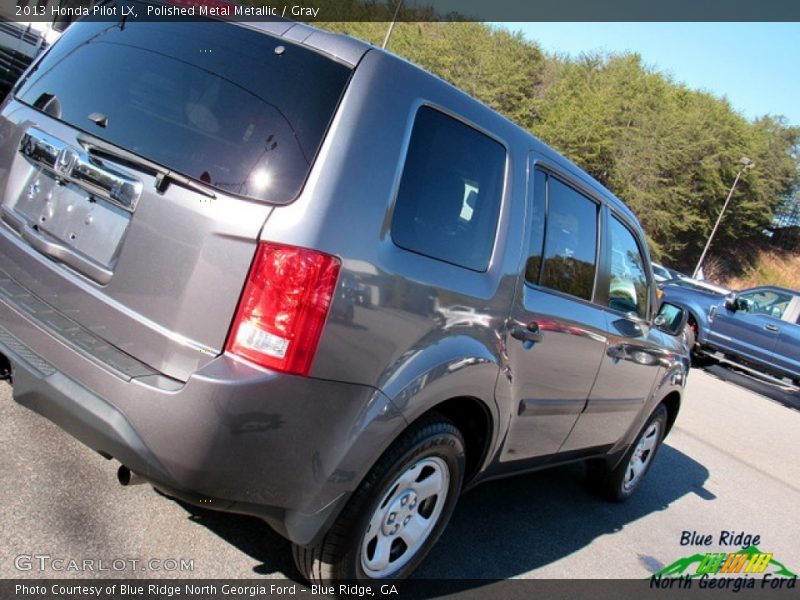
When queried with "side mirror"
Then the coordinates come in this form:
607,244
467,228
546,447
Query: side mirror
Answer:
671,319
732,302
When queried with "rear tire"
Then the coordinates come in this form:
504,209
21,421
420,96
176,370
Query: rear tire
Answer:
619,484
397,513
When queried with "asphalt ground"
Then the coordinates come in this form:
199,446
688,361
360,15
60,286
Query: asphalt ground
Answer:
729,464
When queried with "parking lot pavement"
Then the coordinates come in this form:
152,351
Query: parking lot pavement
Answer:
730,464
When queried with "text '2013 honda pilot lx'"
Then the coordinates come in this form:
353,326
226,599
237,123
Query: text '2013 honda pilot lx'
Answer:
280,272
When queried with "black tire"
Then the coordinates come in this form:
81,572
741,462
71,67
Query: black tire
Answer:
428,447
617,484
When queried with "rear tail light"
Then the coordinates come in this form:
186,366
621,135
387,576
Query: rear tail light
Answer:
283,307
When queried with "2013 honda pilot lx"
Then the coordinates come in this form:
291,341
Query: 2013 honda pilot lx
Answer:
279,272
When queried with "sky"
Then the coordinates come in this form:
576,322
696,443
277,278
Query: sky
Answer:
756,66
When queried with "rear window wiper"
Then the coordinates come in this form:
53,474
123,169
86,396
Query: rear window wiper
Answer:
164,176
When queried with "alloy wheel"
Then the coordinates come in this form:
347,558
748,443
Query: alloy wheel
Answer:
642,455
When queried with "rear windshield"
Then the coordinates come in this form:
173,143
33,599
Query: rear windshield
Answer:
239,110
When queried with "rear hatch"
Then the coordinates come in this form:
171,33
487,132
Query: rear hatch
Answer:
139,162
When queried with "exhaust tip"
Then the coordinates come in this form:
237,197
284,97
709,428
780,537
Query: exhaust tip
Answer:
127,477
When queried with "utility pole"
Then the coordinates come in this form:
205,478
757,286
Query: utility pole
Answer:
391,25
746,164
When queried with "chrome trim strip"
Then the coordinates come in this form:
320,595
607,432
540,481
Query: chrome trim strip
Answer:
75,166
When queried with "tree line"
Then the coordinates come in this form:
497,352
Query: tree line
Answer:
670,152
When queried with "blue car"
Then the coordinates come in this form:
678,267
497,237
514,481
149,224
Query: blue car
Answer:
758,328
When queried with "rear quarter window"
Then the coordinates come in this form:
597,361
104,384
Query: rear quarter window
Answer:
449,197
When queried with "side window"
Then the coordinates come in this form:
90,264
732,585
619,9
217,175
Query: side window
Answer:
764,302
570,247
534,264
628,291
449,198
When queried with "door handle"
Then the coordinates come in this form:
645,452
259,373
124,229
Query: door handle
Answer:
772,327
528,333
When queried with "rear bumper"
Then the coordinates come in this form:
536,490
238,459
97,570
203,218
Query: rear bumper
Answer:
233,437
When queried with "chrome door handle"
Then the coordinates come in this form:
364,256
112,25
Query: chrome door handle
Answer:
772,327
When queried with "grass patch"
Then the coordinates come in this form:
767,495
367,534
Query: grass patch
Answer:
771,267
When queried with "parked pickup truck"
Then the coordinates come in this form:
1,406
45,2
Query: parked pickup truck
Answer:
758,328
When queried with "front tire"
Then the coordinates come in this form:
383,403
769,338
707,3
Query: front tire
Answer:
619,484
397,513
698,358
691,336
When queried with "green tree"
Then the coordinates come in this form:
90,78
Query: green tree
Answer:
671,153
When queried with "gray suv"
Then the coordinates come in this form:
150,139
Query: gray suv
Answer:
280,272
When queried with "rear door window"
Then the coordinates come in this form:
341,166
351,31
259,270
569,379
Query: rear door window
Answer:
570,247
239,110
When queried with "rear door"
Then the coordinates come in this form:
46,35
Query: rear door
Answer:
557,338
139,164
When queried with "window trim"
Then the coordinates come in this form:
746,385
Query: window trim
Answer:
530,197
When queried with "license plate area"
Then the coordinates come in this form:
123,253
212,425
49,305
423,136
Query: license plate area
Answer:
72,207
73,217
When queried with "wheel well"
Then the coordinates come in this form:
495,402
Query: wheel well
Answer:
474,422
692,323
692,320
5,368
672,402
